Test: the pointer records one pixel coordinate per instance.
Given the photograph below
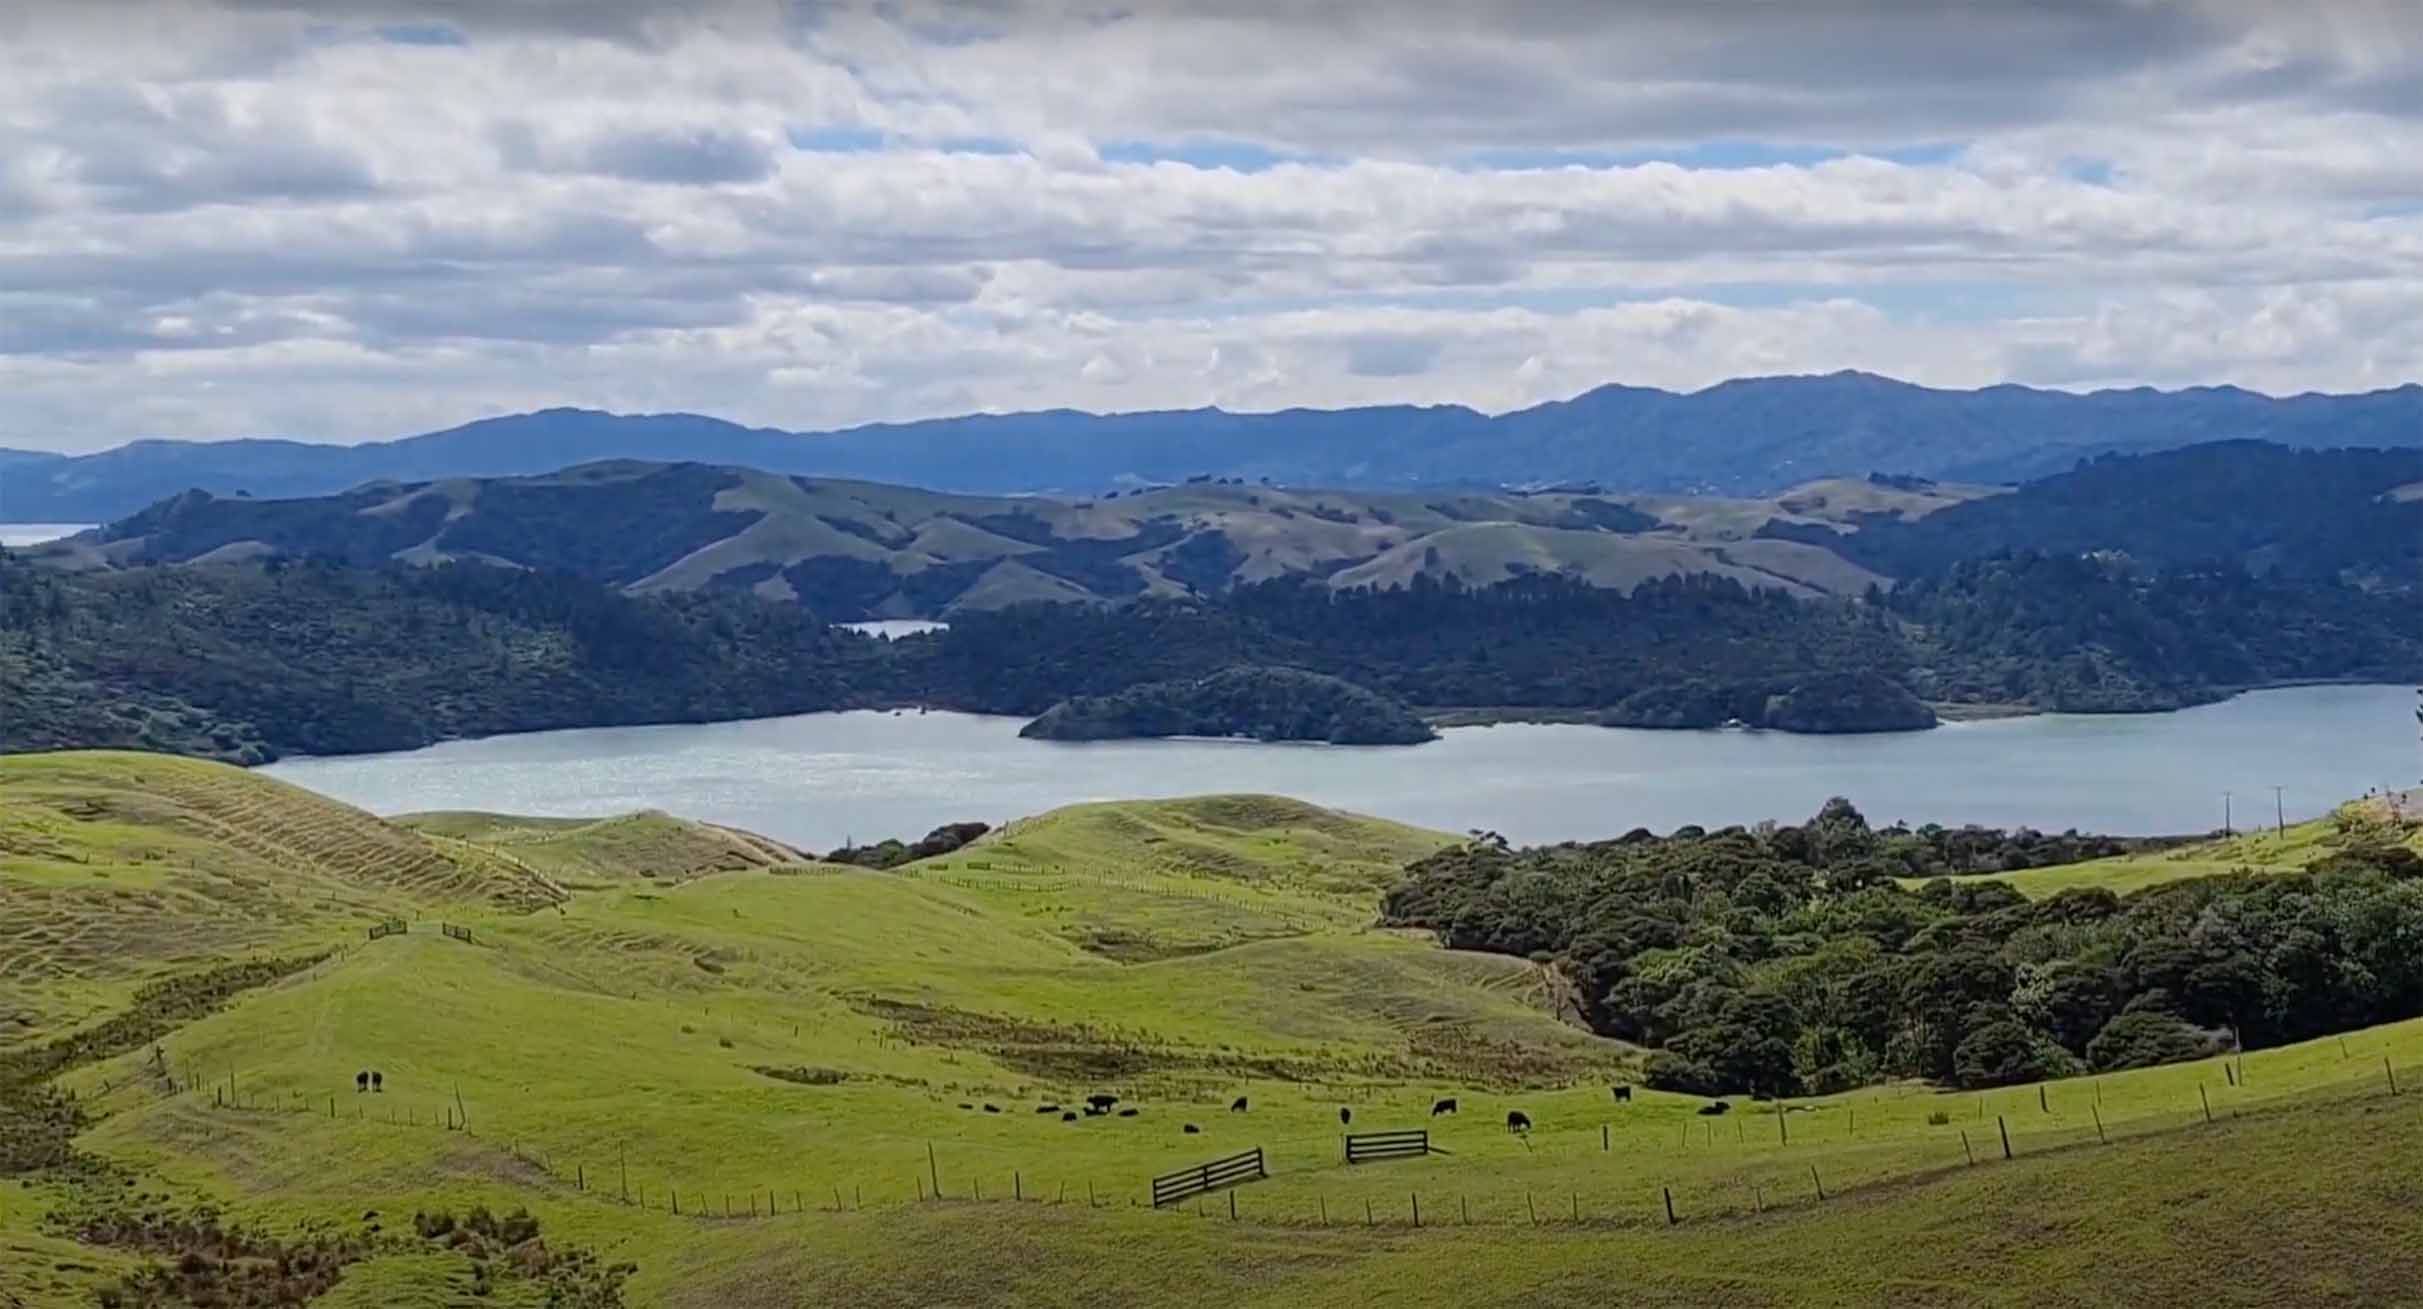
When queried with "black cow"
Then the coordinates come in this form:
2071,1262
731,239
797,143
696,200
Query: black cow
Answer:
377,1083
1714,1108
1068,1116
1517,1121
1047,1109
1345,1115
1446,1106
1191,1129
1623,1094
361,1081
1127,1113
992,1108
965,1105
1238,1107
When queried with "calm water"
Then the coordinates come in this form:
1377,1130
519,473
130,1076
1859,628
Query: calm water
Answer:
37,533
821,779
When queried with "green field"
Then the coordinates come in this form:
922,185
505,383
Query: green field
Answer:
629,1028
2260,851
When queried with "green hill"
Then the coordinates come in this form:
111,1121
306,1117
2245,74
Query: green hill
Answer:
867,550
812,1050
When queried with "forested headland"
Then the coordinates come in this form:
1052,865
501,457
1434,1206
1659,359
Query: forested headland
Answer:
249,661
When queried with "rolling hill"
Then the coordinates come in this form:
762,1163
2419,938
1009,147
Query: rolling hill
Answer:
861,549
1750,436
770,1085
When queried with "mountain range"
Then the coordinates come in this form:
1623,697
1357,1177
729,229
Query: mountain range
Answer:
1748,437
854,550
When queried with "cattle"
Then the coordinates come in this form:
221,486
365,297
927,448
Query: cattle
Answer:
1238,1106
361,1081
1713,1108
1446,1106
965,1105
1068,1116
1345,1115
1127,1113
992,1108
1517,1121
1623,1094
1095,1111
1047,1109
1191,1129
1102,1101
378,1083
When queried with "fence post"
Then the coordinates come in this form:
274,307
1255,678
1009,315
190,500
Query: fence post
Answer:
1758,1199
1817,1181
1783,1135
1964,1147
2208,1102
1232,1205
1602,1138
932,1170
1324,1200
1464,1207
1533,1208
2041,1106
2393,1074
1669,1204
2099,1136
2004,1124
1417,1207
1017,1186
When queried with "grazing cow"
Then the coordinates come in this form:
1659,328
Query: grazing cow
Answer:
1047,1109
1127,1113
1623,1094
1446,1106
361,1082
992,1108
965,1105
1102,1101
1191,1129
1068,1116
378,1083
1238,1107
1713,1108
1345,1115
1517,1121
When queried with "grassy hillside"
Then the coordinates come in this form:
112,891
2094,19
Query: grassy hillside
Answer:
863,549
2261,851
802,1039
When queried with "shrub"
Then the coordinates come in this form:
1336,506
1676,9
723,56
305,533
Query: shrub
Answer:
1668,1071
2003,1054
1938,1118
2142,1038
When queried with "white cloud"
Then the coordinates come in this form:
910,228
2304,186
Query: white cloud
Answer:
355,218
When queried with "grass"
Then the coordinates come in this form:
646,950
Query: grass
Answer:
2260,851
637,1029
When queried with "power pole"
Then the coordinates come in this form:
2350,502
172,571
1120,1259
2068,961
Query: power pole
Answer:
2279,813
2226,829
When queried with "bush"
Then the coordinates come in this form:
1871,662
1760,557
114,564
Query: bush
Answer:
2004,1053
1938,1118
1668,1071
2142,1038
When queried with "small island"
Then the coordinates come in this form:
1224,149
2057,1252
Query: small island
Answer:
1820,703
1264,703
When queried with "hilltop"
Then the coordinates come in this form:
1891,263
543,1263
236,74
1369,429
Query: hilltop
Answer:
851,550
769,1082
1747,437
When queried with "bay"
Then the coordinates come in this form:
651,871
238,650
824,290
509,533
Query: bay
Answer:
818,780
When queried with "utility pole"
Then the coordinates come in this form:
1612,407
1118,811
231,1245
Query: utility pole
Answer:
2279,813
2226,829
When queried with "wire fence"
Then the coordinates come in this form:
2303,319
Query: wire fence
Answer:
1757,1171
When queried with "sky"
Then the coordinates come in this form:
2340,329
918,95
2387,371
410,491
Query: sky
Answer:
353,219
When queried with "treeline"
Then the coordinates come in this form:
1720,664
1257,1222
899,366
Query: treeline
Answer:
1788,960
1266,704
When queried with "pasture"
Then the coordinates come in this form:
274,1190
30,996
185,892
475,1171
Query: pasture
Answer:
801,1058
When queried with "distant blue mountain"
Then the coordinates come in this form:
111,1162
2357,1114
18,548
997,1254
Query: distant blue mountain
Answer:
1750,436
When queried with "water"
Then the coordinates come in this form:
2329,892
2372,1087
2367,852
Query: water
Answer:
887,628
37,533
821,779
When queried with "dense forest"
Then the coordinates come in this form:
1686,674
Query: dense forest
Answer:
1787,960
1267,704
248,661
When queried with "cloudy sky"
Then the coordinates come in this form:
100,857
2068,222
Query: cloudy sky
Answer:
345,219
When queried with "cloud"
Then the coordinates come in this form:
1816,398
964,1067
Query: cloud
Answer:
344,219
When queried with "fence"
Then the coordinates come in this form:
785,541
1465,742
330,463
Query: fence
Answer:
462,934
388,927
1365,1147
1236,1168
